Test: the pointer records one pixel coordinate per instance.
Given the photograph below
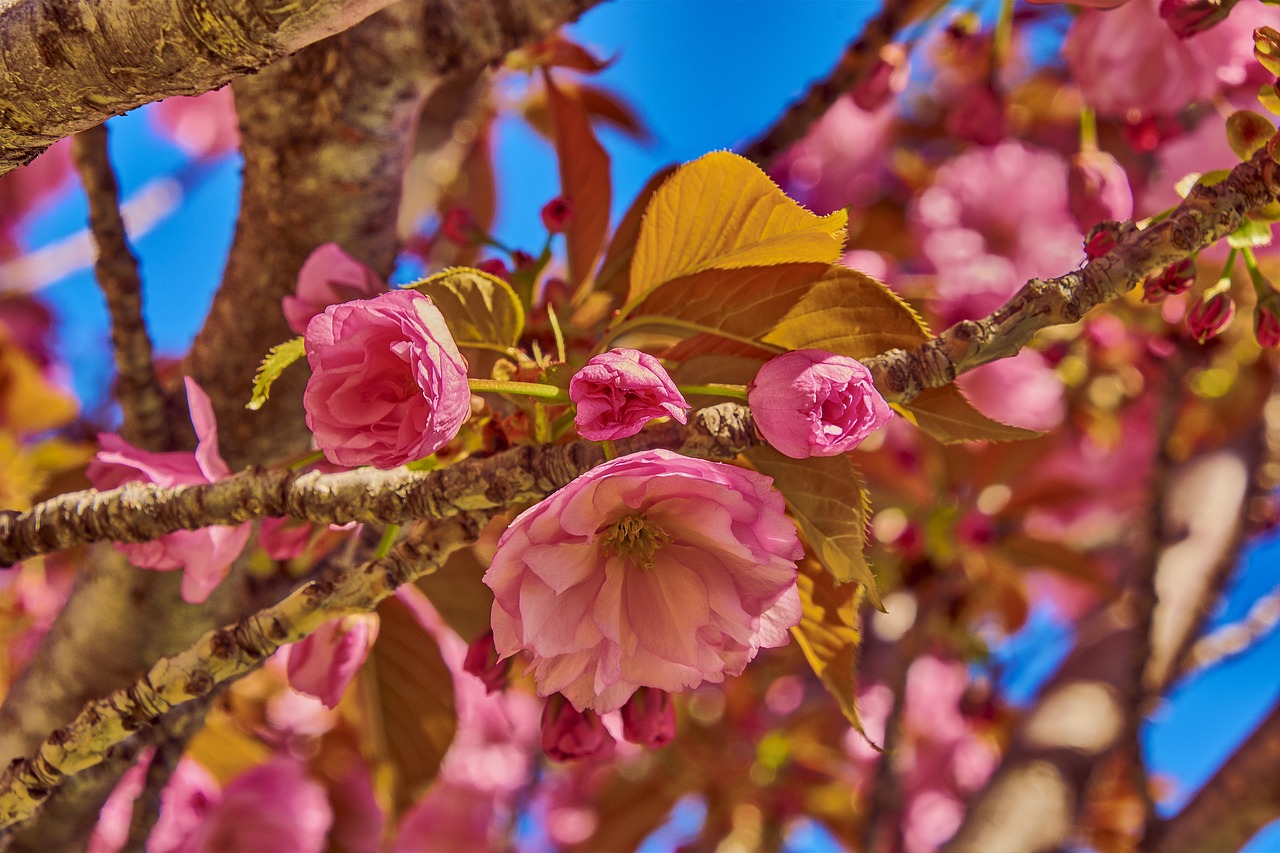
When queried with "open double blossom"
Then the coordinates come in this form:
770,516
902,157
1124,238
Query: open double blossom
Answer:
652,570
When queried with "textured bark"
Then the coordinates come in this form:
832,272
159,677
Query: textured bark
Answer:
68,65
138,512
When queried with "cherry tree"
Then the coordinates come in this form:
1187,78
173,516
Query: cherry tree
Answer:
731,503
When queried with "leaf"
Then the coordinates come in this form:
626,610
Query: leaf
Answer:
584,181
828,634
28,402
827,501
480,309
411,704
948,416
1032,552
615,269
851,314
1251,233
457,593
278,358
224,748
723,212
600,105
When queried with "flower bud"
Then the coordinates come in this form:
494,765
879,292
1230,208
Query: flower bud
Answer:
1102,238
1172,280
523,260
324,663
620,391
1266,326
556,214
572,735
1211,316
1098,189
460,226
649,718
495,267
1188,17
1248,131
887,77
482,662
977,116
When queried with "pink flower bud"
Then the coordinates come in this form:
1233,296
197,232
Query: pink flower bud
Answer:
1098,189
572,735
388,384
1188,17
887,78
649,718
523,260
324,663
1211,316
556,214
1172,280
460,226
815,403
620,391
495,267
1101,240
975,529
977,116
1266,326
482,662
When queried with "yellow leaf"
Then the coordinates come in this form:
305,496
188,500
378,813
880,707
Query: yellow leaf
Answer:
615,269
584,181
723,212
851,314
948,416
272,367
29,402
225,749
828,634
480,309
411,705
827,501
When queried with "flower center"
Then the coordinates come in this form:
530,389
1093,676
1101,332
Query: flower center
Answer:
635,539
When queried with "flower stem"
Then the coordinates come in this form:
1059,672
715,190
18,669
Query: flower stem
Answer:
1088,129
528,389
307,460
716,389
388,539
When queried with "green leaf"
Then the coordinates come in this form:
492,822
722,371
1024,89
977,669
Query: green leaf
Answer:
411,705
851,314
828,634
723,212
827,501
278,358
1250,234
480,309
584,181
948,416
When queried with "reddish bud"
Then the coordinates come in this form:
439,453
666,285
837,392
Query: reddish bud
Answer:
482,662
495,267
1172,280
572,735
1211,316
1098,189
1266,326
649,718
523,260
976,529
556,214
460,226
1102,239
1188,17
887,78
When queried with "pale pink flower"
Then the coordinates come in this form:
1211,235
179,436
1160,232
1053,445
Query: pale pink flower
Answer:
652,570
840,162
811,402
328,276
388,384
620,391
324,663
275,806
204,127
1023,391
204,555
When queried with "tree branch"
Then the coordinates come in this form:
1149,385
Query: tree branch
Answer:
142,403
221,656
138,512
68,65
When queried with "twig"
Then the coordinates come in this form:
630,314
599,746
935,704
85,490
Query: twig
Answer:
221,656
173,734
138,512
141,401
1234,639
858,60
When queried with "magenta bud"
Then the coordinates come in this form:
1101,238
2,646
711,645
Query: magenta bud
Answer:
556,214
572,735
1101,240
887,77
1211,316
649,718
1098,189
523,260
1172,280
482,662
977,116
460,227
1188,17
495,267
1266,326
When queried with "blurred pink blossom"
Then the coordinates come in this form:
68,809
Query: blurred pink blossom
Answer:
205,127
653,570
840,162
328,276
204,555
24,190
324,663
1098,189
1023,391
275,806
284,538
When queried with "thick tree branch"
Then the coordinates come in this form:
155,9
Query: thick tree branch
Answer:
1240,799
221,656
141,400
854,66
138,512
68,65
1208,214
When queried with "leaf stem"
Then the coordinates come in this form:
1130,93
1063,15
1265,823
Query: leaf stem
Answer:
528,389
388,539
716,389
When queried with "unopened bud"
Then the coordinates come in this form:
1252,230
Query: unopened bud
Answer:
649,718
887,77
482,662
1188,17
1172,280
523,260
495,267
572,735
978,116
1102,238
1211,316
556,214
1248,131
460,226
1266,326
1098,189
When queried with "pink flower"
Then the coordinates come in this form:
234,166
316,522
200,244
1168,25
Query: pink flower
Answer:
328,276
204,127
840,163
284,538
572,735
556,214
977,115
1023,391
1188,17
388,384
275,806
649,718
495,267
620,391
324,663
1266,326
482,662
652,570
203,555
1098,189
460,226
811,402
888,77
